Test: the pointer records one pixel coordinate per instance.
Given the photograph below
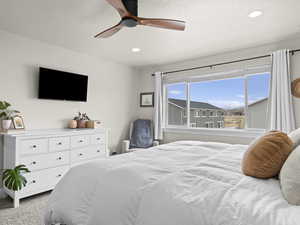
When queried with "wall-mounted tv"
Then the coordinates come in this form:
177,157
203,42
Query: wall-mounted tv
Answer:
59,85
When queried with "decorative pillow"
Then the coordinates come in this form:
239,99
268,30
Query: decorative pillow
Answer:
266,155
290,178
295,137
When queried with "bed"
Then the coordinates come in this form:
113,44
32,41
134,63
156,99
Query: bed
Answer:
181,183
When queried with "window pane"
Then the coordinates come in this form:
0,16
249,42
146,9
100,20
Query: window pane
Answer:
218,104
177,106
258,93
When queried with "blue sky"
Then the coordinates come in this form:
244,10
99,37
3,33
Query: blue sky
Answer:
227,93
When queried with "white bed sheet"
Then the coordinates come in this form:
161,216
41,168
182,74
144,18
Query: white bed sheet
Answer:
182,183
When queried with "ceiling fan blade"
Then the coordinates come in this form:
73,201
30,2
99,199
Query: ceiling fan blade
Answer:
118,5
163,23
109,32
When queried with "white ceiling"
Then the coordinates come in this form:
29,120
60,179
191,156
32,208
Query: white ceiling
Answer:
213,26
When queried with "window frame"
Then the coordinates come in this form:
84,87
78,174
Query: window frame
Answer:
214,77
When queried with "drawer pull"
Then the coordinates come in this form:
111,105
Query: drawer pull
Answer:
98,150
33,163
59,158
98,139
80,141
80,154
33,182
59,175
34,146
59,143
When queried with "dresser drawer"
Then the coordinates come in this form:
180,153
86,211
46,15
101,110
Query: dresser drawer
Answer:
43,180
80,141
38,162
59,144
98,139
86,153
99,151
34,146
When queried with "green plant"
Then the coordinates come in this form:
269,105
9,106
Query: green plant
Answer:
13,179
81,116
5,112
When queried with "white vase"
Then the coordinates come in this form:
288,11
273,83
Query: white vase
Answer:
6,124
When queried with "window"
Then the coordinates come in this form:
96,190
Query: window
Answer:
220,96
235,103
193,125
258,92
220,113
220,124
177,104
209,124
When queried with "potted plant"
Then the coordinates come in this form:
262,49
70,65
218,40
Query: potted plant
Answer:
6,114
81,119
13,179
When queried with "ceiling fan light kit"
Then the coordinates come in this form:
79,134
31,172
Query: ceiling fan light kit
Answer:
128,10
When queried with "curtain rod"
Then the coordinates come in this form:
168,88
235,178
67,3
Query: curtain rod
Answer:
223,63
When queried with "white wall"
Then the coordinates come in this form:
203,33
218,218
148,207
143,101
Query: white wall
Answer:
147,84
112,91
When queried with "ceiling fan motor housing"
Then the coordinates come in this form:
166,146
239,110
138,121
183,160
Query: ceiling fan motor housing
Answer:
131,6
129,22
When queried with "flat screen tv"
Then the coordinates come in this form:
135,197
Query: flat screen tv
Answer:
59,85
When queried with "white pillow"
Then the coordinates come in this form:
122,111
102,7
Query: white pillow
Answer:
295,137
290,178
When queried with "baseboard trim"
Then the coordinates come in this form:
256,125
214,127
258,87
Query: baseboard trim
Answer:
2,193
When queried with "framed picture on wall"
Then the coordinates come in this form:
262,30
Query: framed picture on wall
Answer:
18,123
147,99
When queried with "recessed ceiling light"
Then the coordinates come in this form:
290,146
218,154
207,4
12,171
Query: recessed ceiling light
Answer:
135,49
255,14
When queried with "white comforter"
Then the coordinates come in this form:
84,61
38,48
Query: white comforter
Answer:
182,183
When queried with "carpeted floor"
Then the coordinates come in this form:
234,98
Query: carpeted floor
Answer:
30,212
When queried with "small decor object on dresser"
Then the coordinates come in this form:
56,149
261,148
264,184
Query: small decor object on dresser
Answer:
6,114
147,99
72,124
94,124
81,119
18,123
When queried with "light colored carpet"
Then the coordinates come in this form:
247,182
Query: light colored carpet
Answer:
30,212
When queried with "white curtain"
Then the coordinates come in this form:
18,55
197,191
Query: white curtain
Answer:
281,110
158,107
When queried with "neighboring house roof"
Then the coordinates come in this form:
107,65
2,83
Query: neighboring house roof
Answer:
196,105
171,103
259,101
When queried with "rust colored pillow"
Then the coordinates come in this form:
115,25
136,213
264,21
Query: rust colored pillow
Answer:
266,155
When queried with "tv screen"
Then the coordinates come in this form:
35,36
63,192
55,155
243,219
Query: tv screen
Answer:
59,85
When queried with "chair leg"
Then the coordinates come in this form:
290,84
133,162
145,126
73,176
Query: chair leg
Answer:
16,202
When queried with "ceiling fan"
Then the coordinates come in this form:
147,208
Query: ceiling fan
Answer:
128,10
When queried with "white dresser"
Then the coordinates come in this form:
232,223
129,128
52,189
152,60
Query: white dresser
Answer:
49,154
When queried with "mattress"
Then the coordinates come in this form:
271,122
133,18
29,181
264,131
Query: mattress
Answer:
181,183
